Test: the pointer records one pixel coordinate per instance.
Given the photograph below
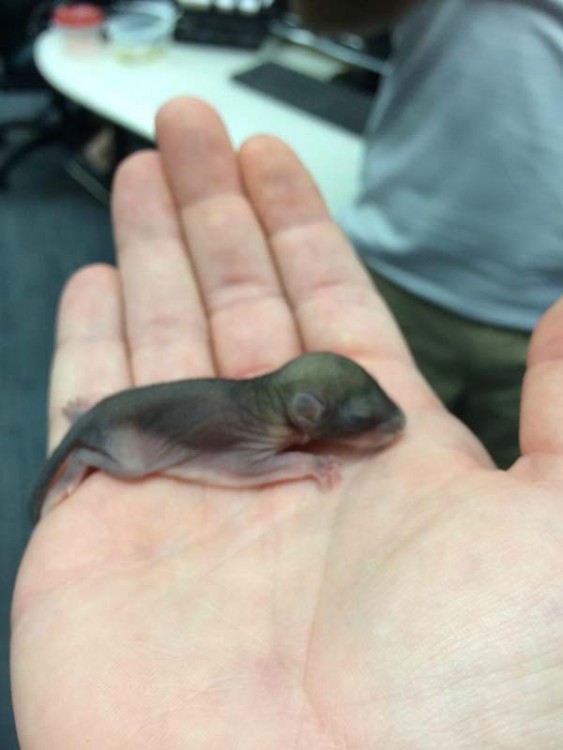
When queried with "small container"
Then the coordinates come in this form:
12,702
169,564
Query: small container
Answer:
140,30
79,26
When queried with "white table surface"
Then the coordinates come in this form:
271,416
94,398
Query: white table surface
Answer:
129,94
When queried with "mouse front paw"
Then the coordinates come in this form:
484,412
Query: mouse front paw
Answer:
327,472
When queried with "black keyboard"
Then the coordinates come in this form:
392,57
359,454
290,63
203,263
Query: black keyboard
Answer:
336,103
232,29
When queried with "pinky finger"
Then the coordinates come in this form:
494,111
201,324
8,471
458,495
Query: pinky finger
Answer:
91,359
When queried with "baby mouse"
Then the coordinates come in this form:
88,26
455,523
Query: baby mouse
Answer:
235,433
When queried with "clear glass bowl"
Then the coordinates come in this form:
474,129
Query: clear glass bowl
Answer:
141,29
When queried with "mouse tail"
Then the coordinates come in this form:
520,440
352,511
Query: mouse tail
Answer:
54,476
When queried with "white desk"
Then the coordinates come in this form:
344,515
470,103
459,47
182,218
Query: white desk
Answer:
129,94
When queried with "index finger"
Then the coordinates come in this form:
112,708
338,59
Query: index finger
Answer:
332,296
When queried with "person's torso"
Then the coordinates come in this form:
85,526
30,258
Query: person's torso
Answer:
462,196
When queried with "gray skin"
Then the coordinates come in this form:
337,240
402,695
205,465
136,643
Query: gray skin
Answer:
235,433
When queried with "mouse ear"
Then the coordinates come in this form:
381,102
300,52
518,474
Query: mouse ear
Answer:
305,411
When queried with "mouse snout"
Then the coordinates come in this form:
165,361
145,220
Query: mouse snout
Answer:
385,432
378,436
394,424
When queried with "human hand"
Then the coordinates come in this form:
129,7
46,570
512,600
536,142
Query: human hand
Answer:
418,605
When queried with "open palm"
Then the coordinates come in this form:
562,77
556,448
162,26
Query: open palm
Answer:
418,605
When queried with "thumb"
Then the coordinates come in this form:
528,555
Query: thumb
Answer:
541,423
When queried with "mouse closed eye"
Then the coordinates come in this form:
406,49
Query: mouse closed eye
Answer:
306,412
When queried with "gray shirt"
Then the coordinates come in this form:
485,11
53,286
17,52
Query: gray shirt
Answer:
462,188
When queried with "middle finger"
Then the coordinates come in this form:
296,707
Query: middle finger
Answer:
251,325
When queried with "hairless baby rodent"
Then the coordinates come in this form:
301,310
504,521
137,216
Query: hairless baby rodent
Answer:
237,433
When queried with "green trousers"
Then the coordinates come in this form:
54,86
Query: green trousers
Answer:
476,369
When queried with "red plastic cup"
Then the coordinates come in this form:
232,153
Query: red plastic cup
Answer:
79,26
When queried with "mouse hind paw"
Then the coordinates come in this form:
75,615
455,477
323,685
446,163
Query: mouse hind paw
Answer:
78,406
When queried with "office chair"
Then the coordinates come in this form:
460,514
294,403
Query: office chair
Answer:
56,121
